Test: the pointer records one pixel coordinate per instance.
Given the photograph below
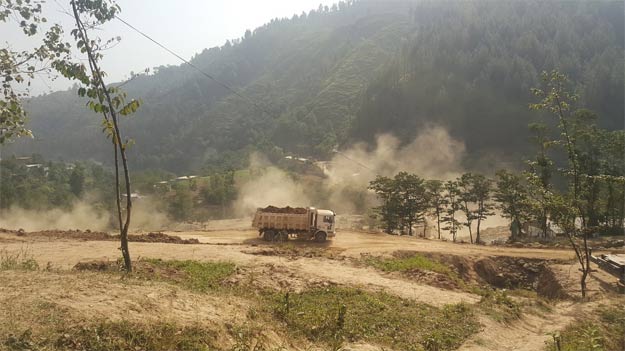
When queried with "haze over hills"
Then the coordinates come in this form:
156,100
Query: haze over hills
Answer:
312,83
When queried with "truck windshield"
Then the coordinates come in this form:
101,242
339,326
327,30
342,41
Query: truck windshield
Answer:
328,219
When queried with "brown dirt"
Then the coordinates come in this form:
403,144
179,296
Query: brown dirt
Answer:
527,334
112,297
293,252
140,268
88,235
285,268
508,273
548,286
288,209
159,237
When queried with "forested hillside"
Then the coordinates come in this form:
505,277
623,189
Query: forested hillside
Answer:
470,67
337,75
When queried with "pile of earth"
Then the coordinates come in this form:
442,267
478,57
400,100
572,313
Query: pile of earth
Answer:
520,273
158,237
88,235
288,209
499,272
457,264
293,252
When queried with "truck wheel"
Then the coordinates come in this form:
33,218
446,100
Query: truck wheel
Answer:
269,235
282,236
320,237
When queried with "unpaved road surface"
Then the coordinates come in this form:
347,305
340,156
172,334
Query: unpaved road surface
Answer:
245,248
333,262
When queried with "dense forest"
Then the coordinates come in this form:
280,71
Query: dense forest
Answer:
341,74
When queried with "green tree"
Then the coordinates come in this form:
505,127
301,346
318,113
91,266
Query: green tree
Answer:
220,190
555,98
437,201
614,190
413,199
388,211
17,68
482,191
453,206
110,102
511,196
589,140
181,205
77,180
467,200
540,174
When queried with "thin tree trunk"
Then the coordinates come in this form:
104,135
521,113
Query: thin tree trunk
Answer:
586,268
95,71
544,222
583,261
477,235
438,223
609,210
468,214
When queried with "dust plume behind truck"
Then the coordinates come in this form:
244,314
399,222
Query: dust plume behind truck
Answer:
280,223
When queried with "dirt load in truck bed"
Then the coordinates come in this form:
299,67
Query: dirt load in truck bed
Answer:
288,209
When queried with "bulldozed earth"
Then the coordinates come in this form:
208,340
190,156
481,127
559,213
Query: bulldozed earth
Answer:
226,289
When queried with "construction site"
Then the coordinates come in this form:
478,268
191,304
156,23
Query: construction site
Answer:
225,288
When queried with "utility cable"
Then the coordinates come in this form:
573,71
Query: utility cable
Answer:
209,76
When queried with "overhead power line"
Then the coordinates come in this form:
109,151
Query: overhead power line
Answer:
222,84
207,75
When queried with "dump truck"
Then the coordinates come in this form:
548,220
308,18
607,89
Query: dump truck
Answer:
280,223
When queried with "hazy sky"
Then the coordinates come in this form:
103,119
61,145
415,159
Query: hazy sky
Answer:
185,26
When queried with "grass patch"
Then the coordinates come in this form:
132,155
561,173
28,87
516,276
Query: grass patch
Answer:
603,332
416,266
334,315
499,306
193,275
118,336
21,259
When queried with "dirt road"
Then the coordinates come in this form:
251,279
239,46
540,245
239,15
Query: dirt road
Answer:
245,248
334,262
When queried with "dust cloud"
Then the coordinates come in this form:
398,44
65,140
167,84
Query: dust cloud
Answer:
432,154
268,186
147,216
84,215
81,216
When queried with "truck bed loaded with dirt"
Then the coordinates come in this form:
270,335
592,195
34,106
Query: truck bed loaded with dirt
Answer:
280,223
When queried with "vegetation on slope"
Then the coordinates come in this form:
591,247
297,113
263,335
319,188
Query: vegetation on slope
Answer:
330,77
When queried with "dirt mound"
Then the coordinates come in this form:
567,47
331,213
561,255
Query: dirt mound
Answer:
97,266
88,235
509,273
491,273
295,252
549,287
517,273
158,237
77,234
288,209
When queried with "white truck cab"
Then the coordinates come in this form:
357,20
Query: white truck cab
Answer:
325,221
